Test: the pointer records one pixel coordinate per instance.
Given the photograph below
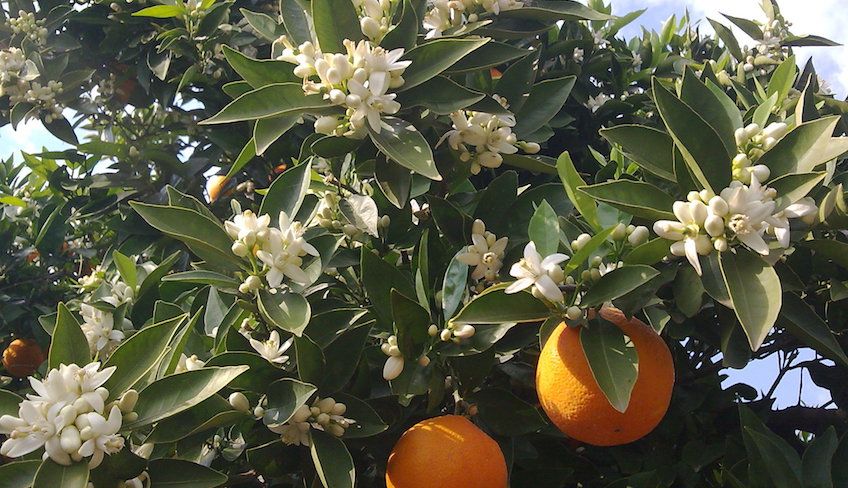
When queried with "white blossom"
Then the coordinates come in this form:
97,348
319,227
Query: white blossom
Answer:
395,361
66,415
188,363
542,274
248,228
595,103
271,349
99,329
485,254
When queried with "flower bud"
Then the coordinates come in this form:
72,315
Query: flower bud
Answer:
239,402
464,331
70,439
582,240
240,249
393,367
334,429
337,97
752,129
433,330
130,417
639,236
619,232
478,227
350,230
741,161
370,27
720,244
424,361
741,136
258,412
532,147
574,313
714,225
718,206
761,172
302,414
326,404
326,124
339,409
445,335
128,401
775,130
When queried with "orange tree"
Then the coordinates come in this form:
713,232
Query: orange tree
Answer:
466,243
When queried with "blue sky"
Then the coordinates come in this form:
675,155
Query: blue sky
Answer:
822,17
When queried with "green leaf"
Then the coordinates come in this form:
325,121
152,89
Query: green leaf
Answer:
362,212
211,413
332,460
295,21
782,79
335,21
440,95
454,285
729,39
748,26
204,277
650,148
816,464
808,40
548,10
784,465
261,373
493,306
267,131
587,250
183,474
259,72
490,54
310,360
804,148
368,422
617,283
613,360
273,100
544,229
263,25
344,353
286,310
52,475
160,11
637,198
179,392
805,324
9,403
285,396
411,321
403,33
203,236
334,147
18,474
286,193
69,345
545,101
401,142
138,355
708,105
702,148
432,58
394,180
505,413
649,253
572,181
517,80
379,278
754,291
126,268
833,250
793,187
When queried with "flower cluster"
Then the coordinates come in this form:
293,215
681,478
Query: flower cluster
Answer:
25,24
68,416
280,249
357,81
325,414
740,214
752,142
482,138
17,75
542,275
375,17
394,363
271,349
486,254
449,14
99,329
769,49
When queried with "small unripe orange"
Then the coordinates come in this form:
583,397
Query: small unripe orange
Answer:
22,357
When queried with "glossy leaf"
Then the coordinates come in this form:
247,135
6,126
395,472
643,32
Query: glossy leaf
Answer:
805,324
431,59
286,193
183,474
637,198
572,180
332,460
335,21
754,290
18,474
69,345
285,396
650,148
401,142
286,310
544,229
494,307
273,100
613,360
617,283
53,475
545,101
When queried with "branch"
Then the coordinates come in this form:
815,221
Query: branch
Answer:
809,419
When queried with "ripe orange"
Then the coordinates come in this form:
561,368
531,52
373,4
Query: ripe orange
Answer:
446,452
22,357
575,403
215,185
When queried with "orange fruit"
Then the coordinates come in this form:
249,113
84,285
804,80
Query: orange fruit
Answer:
215,185
446,452
22,357
575,403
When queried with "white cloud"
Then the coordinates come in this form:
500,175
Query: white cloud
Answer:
822,17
